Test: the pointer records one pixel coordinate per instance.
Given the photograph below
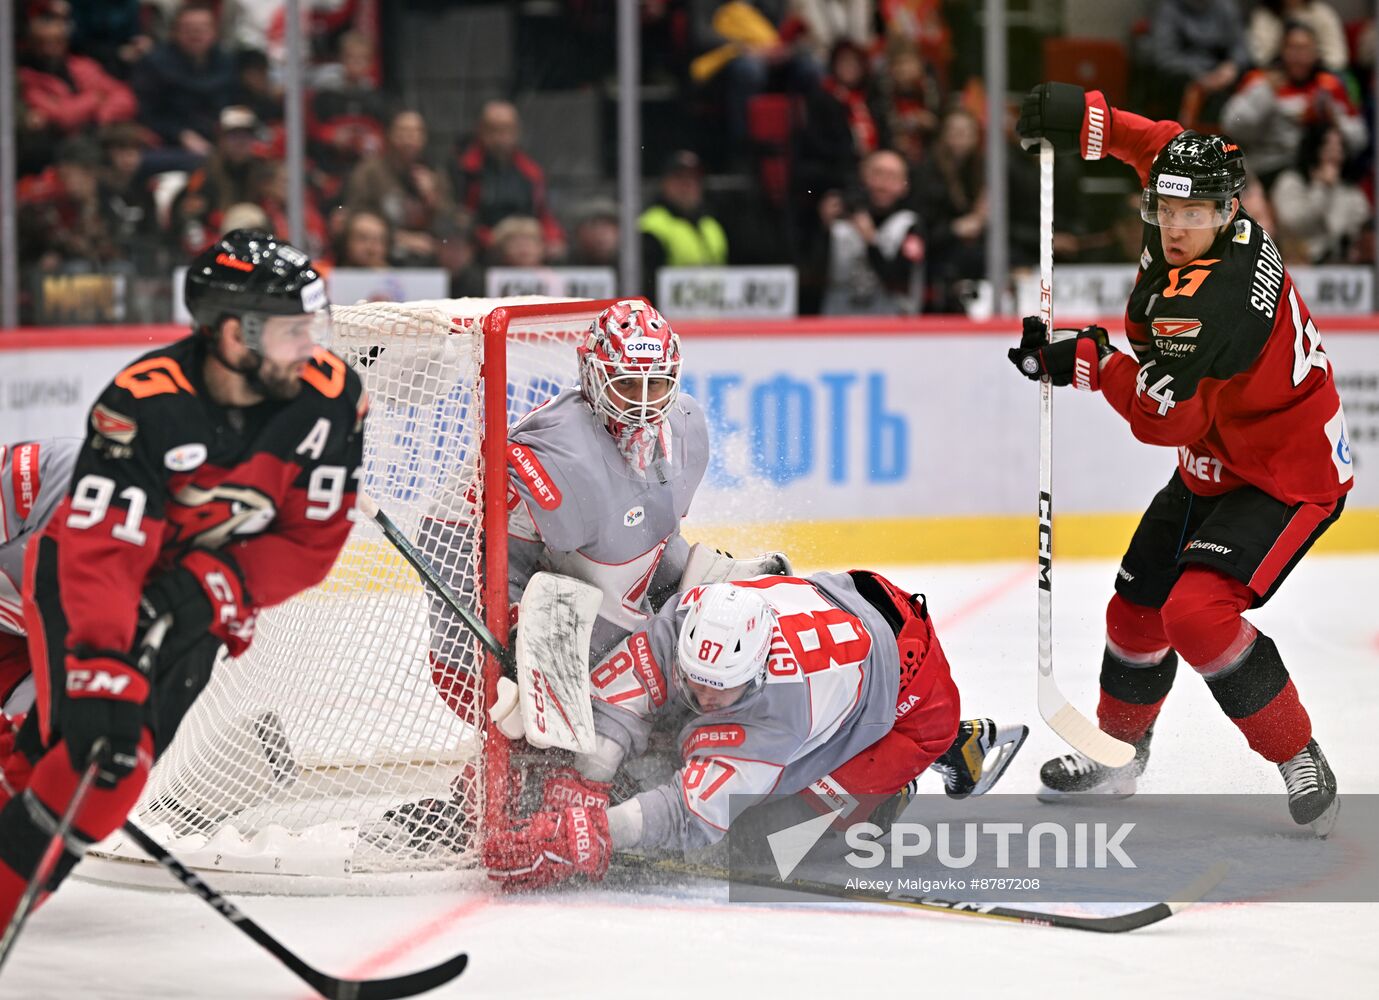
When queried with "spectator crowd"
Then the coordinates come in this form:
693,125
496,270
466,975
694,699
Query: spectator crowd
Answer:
852,130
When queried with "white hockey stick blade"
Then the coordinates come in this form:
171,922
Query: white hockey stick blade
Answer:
1078,731
553,631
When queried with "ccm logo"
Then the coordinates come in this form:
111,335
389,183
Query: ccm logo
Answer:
1172,184
96,682
538,700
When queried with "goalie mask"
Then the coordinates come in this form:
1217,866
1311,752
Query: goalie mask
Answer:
273,290
629,374
724,644
1193,167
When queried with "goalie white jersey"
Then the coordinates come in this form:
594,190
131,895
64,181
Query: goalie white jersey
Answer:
832,677
576,507
34,476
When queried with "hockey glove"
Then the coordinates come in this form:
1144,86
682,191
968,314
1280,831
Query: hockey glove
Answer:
203,592
1057,112
550,847
105,698
565,787
1073,358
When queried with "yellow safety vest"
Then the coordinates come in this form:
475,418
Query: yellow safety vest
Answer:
686,244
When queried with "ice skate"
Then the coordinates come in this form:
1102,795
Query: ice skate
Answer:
431,827
1311,787
969,766
1077,774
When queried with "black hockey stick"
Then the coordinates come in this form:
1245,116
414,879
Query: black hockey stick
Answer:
1117,924
148,649
328,986
48,861
422,565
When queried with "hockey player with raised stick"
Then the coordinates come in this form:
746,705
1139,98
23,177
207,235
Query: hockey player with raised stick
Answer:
1229,369
833,686
215,480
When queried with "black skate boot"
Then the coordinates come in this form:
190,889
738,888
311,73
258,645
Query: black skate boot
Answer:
967,766
424,828
1311,787
1076,774
430,827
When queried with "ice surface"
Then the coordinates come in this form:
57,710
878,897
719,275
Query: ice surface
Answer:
95,941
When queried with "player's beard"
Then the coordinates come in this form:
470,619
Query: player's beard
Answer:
279,382
638,445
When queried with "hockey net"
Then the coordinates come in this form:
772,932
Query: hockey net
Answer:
296,750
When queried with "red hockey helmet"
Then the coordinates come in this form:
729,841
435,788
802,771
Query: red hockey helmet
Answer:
629,366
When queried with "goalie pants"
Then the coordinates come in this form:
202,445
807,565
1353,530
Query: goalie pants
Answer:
927,710
1194,565
39,777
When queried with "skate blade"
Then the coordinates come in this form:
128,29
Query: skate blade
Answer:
1326,822
1009,740
1113,790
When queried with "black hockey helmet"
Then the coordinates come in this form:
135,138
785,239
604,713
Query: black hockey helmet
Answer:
252,275
1199,167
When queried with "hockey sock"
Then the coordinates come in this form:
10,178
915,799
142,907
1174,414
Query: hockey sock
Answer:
1132,694
1137,670
1259,697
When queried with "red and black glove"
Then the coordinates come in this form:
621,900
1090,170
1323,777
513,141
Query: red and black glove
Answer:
1058,112
204,592
548,848
566,787
105,699
1074,357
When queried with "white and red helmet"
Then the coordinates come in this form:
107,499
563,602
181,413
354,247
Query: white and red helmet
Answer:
725,640
629,366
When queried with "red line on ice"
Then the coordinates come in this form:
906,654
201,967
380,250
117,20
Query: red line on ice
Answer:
986,597
385,957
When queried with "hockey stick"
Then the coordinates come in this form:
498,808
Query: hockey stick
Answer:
152,642
1076,729
422,565
1118,924
552,644
328,986
48,861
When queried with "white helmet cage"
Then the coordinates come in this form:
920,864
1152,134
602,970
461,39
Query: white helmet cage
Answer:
725,640
629,367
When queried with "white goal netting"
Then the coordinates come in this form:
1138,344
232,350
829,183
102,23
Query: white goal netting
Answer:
290,760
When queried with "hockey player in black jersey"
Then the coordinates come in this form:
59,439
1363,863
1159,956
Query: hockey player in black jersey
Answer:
215,480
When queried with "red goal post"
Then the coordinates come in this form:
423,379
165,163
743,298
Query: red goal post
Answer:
332,717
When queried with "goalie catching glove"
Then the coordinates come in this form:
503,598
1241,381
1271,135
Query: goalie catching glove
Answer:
708,565
203,592
550,847
1073,357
